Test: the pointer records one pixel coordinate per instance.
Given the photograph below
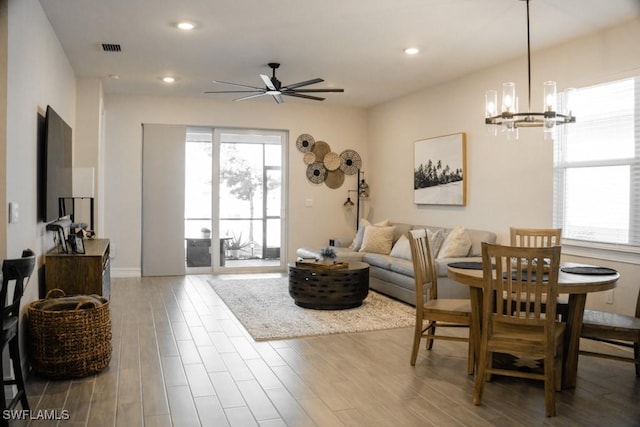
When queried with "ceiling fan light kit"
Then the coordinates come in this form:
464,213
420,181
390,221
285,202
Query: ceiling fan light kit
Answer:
274,87
509,119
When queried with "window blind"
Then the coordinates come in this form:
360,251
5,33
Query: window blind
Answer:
597,165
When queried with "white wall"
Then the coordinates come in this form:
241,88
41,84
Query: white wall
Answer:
509,182
341,128
39,74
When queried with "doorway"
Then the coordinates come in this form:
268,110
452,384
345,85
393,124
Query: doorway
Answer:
234,200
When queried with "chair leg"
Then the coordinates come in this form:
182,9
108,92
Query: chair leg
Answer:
480,376
431,331
550,394
636,355
417,336
550,387
3,399
470,358
14,350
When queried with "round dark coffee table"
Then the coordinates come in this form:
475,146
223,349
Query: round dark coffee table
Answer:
329,289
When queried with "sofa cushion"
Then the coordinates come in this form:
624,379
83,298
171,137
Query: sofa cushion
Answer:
397,279
441,264
379,260
377,239
403,267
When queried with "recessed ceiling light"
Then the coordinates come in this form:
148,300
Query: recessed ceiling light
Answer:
169,79
186,25
114,76
411,50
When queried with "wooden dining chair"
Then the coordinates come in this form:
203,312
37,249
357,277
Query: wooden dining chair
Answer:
535,237
612,328
508,326
434,312
540,238
16,271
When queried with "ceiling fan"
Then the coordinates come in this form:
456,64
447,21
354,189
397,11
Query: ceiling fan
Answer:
275,88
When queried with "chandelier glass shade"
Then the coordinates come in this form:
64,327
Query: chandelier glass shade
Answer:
509,118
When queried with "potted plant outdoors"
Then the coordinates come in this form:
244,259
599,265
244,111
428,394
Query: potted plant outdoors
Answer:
206,233
235,244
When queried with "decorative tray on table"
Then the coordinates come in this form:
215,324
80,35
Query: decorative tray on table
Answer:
335,265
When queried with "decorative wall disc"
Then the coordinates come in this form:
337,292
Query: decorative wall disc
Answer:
334,179
316,173
332,161
305,142
309,158
350,162
320,149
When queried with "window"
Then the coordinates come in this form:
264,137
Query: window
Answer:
597,167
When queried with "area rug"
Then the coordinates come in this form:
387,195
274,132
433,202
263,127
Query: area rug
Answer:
266,310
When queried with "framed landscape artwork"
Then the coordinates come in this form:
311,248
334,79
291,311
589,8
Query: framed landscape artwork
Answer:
439,172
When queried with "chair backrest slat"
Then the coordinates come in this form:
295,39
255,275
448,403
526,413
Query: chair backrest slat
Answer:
422,264
535,237
524,284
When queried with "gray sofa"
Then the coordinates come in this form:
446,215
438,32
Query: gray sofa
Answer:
393,276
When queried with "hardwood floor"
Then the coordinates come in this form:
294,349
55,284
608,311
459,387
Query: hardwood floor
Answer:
181,358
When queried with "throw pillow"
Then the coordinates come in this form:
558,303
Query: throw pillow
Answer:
435,240
378,239
402,249
357,241
457,244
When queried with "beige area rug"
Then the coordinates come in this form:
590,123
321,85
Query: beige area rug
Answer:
266,310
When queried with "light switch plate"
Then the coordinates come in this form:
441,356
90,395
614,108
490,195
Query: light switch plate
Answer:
14,212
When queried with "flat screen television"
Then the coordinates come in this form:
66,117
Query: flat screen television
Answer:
57,164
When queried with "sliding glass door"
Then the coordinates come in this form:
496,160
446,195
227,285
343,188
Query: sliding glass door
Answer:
234,189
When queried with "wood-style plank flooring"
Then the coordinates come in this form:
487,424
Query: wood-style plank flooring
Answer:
181,358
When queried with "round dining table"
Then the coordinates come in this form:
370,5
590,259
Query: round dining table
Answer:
577,286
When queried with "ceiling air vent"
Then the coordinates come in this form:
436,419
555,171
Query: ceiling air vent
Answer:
110,47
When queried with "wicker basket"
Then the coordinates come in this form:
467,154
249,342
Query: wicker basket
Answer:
70,337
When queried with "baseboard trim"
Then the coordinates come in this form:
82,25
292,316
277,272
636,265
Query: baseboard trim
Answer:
125,272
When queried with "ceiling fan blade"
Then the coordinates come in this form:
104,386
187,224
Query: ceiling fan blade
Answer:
318,90
268,82
237,84
299,95
305,83
250,96
278,98
235,91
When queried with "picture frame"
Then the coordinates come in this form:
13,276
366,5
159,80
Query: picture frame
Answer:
76,243
61,240
440,169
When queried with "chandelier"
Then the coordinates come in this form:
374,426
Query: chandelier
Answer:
510,119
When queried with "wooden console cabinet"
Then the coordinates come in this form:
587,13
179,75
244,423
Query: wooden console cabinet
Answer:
87,273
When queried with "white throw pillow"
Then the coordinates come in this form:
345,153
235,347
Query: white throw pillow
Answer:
435,240
402,249
457,244
378,239
357,241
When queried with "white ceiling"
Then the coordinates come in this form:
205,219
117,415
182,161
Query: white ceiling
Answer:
352,44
